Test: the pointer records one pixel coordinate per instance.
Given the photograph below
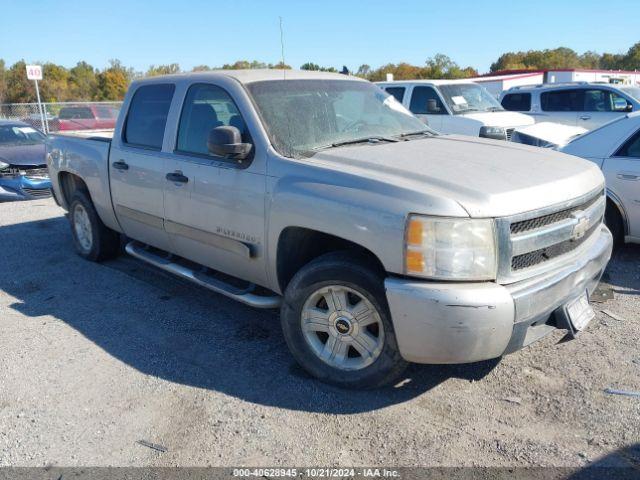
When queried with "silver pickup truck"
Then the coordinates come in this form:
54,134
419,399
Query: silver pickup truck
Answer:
381,241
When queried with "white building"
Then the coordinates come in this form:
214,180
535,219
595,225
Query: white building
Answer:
503,80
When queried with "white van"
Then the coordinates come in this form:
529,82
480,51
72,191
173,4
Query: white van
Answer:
457,106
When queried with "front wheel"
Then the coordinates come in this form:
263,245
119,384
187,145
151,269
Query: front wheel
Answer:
337,324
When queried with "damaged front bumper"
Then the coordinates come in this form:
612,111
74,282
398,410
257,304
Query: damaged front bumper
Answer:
469,322
24,184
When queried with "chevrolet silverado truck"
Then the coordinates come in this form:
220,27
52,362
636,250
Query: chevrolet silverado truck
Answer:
381,241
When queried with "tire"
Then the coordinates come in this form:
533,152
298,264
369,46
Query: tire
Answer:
613,221
91,238
352,346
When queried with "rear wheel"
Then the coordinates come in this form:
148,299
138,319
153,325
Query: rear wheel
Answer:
337,324
91,238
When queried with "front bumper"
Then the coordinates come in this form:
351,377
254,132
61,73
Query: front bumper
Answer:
469,322
22,187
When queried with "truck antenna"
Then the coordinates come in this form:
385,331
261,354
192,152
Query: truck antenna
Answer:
284,71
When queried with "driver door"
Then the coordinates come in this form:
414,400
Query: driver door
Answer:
428,107
214,207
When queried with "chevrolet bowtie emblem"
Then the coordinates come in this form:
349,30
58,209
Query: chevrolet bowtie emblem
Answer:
581,227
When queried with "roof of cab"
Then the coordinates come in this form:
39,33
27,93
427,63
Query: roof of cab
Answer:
427,82
255,75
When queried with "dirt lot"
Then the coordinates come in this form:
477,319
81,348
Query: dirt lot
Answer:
97,357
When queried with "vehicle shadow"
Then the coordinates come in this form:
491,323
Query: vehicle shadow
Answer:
166,327
622,464
622,273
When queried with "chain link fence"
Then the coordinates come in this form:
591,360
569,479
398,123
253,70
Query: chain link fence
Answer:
64,116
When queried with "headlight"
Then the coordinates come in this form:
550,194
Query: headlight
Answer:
3,165
497,133
450,248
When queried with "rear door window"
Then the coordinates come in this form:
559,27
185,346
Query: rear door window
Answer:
631,148
420,100
147,116
517,102
562,100
205,108
75,113
396,92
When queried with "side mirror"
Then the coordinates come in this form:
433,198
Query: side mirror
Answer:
432,106
628,108
226,141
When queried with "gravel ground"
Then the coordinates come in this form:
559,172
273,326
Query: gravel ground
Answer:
97,357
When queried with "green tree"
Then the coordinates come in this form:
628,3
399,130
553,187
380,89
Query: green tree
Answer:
631,60
113,81
19,89
363,70
83,83
54,86
201,68
310,66
3,83
155,70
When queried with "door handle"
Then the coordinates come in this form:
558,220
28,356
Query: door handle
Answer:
177,176
585,117
120,165
627,176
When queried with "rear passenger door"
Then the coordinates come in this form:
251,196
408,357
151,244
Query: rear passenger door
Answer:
562,106
428,107
214,214
622,172
600,106
137,166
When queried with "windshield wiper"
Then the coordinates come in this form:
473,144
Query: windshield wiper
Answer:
413,134
495,109
370,139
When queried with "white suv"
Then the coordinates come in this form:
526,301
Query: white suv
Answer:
581,104
457,106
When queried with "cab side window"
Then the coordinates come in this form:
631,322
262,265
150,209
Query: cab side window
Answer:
517,102
562,101
396,92
147,116
205,108
425,100
631,148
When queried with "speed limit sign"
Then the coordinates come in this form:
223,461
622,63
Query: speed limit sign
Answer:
34,72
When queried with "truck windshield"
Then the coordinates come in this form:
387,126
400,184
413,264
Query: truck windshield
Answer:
20,135
304,116
468,97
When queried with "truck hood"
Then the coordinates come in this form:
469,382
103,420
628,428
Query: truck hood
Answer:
500,119
488,178
23,155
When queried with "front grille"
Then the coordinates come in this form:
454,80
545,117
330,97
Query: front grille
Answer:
36,173
37,192
545,220
509,133
537,257
535,242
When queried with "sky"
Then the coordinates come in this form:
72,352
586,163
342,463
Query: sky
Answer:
329,32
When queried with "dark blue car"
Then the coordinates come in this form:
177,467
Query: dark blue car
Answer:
23,169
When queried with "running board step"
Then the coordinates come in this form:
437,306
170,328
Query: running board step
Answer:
203,277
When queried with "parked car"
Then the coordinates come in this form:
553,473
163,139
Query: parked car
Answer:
457,106
581,104
85,117
615,148
23,170
546,134
382,241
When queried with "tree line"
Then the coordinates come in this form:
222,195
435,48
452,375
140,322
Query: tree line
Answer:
83,82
